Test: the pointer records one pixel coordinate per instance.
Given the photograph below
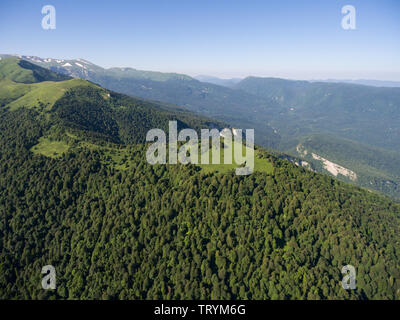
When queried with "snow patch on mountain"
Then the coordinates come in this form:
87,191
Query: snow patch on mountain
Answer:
83,61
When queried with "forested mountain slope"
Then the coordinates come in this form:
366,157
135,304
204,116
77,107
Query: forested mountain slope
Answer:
282,112
77,192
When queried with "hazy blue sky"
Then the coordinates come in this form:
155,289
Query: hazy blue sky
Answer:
293,39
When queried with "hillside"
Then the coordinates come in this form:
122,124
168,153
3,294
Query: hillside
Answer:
203,98
78,193
82,105
368,167
282,112
22,71
358,126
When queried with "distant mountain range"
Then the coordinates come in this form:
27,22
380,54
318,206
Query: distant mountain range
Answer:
374,83
284,114
233,81
221,82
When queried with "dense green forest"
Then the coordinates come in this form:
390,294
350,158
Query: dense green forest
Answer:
76,192
175,232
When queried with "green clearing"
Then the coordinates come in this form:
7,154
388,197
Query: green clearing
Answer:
260,164
121,158
49,148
